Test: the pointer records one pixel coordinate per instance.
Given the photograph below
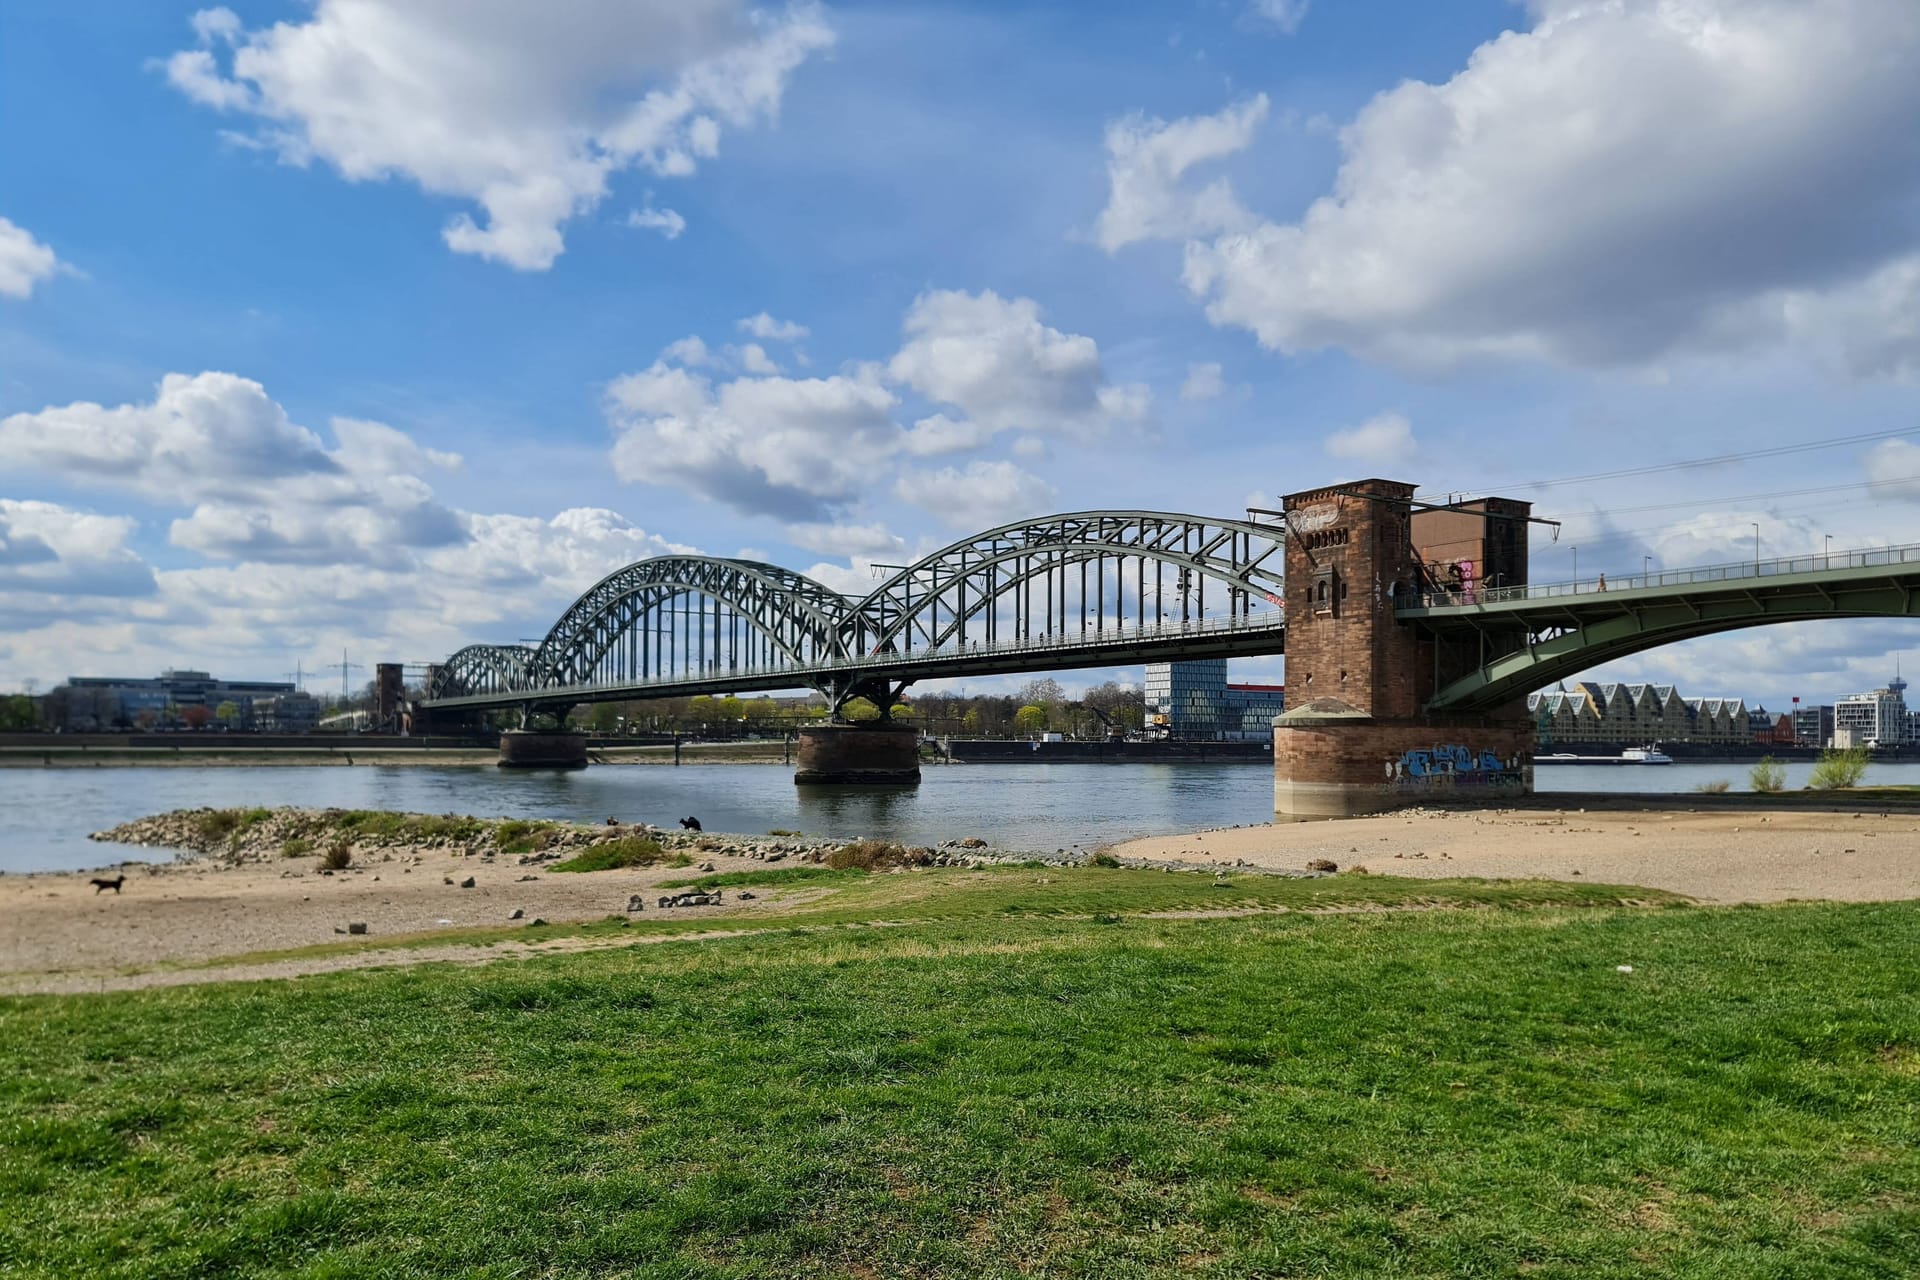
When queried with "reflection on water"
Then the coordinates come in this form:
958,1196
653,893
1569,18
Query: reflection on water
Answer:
1018,806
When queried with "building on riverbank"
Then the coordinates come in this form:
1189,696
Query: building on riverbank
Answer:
1637,714
1876,718
89,703
1192,700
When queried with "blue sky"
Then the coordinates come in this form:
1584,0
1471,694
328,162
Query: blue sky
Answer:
368,325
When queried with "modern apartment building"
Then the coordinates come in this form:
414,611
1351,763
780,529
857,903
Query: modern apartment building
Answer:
1193,700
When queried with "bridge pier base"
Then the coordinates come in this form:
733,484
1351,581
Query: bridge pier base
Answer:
1332,760
530,749
876,753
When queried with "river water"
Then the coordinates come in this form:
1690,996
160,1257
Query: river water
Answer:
45,814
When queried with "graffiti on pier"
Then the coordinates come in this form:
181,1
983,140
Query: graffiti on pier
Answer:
1449,765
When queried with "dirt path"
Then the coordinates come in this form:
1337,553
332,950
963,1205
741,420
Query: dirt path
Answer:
1716,857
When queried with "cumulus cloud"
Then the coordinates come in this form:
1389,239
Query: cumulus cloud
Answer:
766,328
665,221
993,359
792,448
1385,440
847,540
1203,382
1146,162
202,435
804,449
50,550
526,110
24,261
1625,181
261,486
977,496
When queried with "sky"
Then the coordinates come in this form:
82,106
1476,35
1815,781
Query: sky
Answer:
379,327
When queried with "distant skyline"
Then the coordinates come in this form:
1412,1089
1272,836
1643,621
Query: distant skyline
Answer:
299,353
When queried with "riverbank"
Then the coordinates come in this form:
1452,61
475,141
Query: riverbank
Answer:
1713,854
219,754
236,882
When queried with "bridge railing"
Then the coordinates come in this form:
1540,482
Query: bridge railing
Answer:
1272,620
1866,558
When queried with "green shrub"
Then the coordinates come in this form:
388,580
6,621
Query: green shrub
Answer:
1101,858
338,857
1836,770
874,855
1768,775
622,851
295,847
772,876
1718,787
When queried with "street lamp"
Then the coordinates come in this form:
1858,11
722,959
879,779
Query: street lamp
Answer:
1756,546
1576,570
1646,570
1826,553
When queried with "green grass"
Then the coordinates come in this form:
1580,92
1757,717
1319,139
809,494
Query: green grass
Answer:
622,851
1063,1089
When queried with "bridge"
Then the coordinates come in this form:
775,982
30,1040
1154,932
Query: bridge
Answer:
1438,648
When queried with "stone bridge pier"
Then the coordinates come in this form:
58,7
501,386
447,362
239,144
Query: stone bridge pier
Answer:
1356,737
879,752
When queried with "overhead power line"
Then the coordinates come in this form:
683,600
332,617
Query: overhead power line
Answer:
1746,455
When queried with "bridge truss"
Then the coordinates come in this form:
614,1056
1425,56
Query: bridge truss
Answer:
1082,589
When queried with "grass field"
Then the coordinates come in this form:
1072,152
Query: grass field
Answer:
1012,1073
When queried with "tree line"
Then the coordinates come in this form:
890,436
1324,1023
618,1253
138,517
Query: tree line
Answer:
1039,706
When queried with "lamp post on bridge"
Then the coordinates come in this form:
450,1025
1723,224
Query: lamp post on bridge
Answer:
1826,552
1576,570
1756,546
1646,571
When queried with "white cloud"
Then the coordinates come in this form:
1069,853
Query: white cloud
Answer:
261,487
753,358
1893,469
1287,15
24,261
203,435
50,550
994,360
1203,382
792,448
847,540
526,110
1628,180
665,221
801,450
1146,160
1385,440
766,328
982,495
937,433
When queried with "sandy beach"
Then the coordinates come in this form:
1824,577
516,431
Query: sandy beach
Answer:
1718,856
62,935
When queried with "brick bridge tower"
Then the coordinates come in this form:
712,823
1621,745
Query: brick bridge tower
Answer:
1356,737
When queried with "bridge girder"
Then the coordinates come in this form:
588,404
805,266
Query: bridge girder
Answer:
482,669
1567,635
813,631
798,616
967,579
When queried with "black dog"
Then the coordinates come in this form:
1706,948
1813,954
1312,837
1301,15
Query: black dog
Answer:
113,884
691,824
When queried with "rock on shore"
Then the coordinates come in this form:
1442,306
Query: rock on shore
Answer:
239,836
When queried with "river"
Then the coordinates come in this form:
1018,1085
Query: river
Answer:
48,812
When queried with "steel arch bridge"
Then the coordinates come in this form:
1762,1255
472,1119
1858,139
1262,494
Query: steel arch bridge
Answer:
1103,588
1083,589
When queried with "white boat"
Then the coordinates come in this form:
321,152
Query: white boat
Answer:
1645,755
1632,755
